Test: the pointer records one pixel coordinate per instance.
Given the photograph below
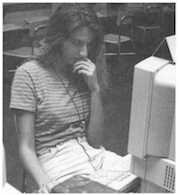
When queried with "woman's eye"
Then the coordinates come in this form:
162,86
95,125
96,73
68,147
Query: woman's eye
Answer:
76,43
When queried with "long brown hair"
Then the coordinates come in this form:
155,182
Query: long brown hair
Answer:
67,18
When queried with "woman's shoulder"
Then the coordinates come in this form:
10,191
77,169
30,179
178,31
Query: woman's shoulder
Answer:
30,66
33,69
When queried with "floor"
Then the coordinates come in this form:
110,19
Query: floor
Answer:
116,103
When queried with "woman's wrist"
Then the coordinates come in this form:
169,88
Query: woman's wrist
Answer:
46,187
96,89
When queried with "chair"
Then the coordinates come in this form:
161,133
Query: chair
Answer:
149,23
7,188
22,53
24,182
27,51
39,34
124,37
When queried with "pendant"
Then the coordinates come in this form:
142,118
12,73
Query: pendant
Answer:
82,125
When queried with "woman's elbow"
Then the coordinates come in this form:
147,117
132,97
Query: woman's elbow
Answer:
25,150
95,141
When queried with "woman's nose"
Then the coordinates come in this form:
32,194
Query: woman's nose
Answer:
83,51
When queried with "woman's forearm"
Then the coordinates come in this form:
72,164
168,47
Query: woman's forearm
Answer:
32,165
95,127
24,122
96,122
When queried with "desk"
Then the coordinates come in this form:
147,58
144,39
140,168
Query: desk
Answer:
10,27
32,20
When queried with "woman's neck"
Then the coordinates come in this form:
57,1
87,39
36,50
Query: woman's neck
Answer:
61,70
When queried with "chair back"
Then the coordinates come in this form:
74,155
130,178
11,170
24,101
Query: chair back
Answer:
154,9
151,17
126,26
124,38
154,15
39,34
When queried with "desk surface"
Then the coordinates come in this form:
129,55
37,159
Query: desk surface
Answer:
36,19
10,27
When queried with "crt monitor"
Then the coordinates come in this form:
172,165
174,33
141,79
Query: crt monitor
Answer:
153,109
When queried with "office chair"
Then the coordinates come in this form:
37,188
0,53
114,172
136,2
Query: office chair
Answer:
24,182
124,39
39,34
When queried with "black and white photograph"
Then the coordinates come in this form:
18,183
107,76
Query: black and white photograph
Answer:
88,97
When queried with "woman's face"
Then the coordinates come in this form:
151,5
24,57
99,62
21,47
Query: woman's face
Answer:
76,47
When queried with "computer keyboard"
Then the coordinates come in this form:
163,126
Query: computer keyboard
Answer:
112,178
103,181
106,177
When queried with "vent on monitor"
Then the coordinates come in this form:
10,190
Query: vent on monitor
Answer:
169,179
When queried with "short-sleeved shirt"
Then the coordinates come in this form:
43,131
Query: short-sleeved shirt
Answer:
58,106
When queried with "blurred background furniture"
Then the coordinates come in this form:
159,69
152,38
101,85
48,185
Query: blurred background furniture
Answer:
123,40
18,46
14,40
150,22
149,28
22,45
19,23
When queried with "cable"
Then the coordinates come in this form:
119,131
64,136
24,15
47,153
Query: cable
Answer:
80,95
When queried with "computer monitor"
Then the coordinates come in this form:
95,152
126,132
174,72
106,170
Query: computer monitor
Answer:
152,121
153,109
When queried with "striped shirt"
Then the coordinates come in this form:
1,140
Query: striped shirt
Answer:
57,108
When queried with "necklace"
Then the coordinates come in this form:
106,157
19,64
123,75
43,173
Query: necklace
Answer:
82,122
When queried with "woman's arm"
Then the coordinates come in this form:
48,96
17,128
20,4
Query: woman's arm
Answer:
25,128
96,123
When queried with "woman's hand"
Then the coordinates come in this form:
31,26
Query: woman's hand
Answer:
88,69
45,189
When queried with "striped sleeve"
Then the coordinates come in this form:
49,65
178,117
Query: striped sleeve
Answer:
23,91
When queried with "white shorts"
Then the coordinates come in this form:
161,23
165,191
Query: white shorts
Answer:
76,157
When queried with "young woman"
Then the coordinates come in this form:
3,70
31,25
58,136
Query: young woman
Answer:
56,99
